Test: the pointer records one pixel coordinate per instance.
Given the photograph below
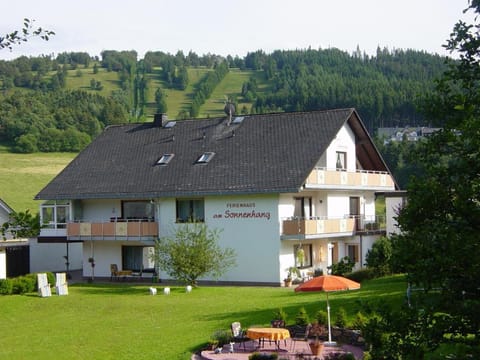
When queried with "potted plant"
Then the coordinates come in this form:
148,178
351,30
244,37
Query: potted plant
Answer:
316,330
291,272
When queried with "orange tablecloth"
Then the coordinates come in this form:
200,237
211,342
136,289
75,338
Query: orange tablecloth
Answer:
268,333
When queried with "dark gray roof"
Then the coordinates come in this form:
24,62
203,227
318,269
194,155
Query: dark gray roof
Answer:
270,153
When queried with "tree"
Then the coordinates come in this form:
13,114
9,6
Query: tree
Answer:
161,101
21,225
379,256
17,37
438,244
192,253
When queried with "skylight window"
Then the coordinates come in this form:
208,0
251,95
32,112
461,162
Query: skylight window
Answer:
238,119
170,124
205,158
165,159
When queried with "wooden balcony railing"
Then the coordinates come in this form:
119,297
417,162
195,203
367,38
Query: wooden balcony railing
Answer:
113,230
321,226
368,179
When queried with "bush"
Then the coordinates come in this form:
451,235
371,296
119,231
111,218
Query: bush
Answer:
359,322
221,337
322,317
379,256
341,318
339,356
280,314
23,284
262,356
6,286
344,266
302,317
361,275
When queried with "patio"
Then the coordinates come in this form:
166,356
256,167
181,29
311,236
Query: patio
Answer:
301,350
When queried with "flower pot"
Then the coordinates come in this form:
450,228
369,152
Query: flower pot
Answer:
316,348
288,282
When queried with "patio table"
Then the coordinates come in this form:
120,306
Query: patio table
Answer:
272,334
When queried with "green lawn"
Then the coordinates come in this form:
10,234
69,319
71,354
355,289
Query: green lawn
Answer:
121,321
22,176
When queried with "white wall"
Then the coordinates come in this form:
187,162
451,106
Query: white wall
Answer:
50,256
100,210
392,205
3,263
344,142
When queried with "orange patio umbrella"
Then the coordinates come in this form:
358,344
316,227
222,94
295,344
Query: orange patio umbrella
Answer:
328,283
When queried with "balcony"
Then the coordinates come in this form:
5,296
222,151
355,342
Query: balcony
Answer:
330,178
116,229
328,227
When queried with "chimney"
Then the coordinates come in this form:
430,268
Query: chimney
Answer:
159,120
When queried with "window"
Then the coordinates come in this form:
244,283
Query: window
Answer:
55,214
303,208
137,258
192,210
137,210
303,260
165,159
341,160
205,158
352,251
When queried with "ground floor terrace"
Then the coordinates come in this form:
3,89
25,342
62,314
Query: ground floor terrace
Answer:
289,349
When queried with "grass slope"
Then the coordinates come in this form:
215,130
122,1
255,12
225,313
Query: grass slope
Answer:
123,321
24,175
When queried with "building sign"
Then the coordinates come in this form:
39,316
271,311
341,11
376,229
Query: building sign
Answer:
242,210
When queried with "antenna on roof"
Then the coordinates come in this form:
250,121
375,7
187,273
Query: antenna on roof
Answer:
229,110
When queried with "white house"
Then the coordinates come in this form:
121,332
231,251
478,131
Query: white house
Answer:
272,183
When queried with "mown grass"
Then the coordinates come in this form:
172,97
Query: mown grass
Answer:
22,176
122,321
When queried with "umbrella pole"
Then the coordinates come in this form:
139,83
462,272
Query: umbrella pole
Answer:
330,342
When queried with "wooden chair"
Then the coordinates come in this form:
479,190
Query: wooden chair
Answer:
113,271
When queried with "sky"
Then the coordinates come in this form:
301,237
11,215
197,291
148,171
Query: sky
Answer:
232,27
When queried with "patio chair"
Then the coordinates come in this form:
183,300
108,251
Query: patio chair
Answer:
300,333
61,286
113,271
43,285
238,333
278,324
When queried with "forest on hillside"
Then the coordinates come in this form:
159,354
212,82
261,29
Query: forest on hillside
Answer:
43,110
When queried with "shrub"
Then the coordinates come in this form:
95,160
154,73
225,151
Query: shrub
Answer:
379,256
262,356
221,337
344,266
322,317
341,318
359,321
339,356
302,317
361,275
23,284
280,314
6,286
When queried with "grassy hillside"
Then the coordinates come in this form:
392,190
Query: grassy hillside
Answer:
177,100
24,175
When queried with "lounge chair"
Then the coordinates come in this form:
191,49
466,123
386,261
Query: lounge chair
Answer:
61,286
43,285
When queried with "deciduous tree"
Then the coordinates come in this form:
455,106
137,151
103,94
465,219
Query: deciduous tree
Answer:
193,252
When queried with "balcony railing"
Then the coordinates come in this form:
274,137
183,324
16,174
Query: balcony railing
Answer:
115,229
368,179
332,226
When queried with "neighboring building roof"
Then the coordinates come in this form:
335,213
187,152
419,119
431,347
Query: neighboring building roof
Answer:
269,153
7,209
